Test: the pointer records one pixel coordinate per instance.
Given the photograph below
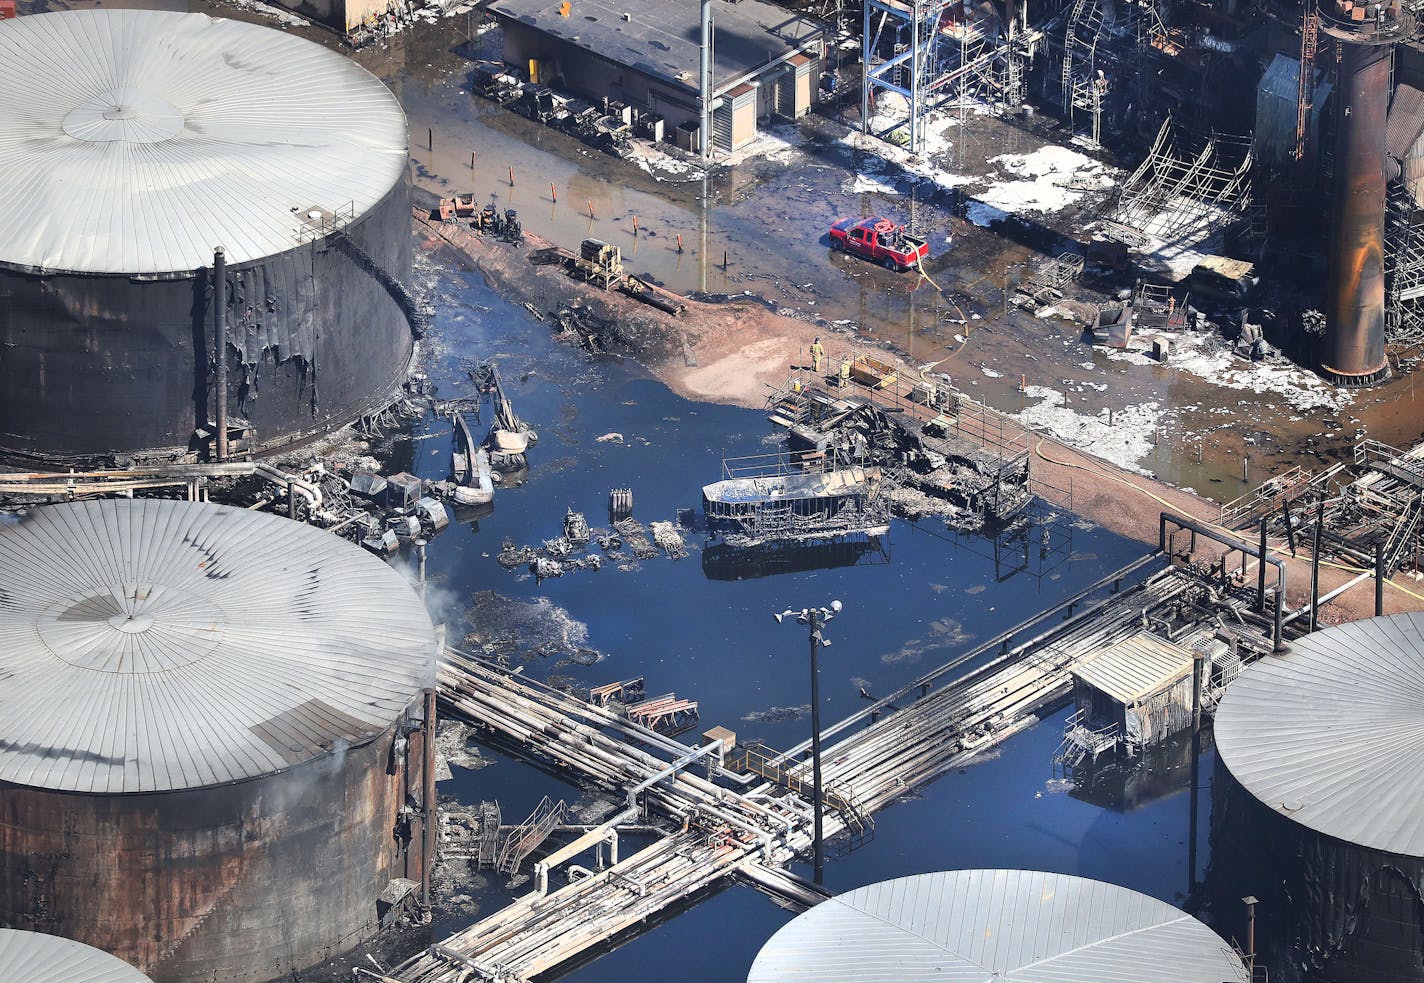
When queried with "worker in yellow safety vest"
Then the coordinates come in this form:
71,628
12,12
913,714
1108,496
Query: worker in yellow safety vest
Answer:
817,353
845,372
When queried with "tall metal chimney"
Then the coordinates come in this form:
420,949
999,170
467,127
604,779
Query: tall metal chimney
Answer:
1354,312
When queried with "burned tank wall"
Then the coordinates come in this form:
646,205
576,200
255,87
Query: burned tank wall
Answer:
96,368
1329,911
244,882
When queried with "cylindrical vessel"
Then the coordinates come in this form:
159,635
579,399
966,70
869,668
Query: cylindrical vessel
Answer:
211,736
33,957
995,925
1316,805
216,132
1354,314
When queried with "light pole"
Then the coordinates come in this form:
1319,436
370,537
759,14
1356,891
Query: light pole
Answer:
815,619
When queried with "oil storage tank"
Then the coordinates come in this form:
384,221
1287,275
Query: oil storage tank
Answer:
213,726
1318,807
995,926
33,957
133,143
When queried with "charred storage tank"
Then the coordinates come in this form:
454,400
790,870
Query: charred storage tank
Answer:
988,926
132,143
32,957
1318,807
212,734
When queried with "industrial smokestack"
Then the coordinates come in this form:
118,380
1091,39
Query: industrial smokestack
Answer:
1354,323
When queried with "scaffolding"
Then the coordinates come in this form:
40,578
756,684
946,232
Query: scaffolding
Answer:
1085,86
1113,63
1404,272
1186,188
940,52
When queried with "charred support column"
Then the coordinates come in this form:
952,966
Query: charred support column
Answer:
1379,579
427,799
1354,322
1198,667
220,343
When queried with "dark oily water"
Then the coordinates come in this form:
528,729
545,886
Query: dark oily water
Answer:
701,627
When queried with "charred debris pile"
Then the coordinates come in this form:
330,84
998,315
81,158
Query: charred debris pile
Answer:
940,455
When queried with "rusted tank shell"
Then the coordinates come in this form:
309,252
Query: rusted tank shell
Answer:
1316,805
1354,325
213,726
103,368
244,882
291,157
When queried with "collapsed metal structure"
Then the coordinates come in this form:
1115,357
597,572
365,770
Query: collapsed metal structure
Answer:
955,458
1146,67
1369,511
1187,185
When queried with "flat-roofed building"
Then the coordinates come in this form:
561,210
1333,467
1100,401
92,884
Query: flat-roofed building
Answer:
645,53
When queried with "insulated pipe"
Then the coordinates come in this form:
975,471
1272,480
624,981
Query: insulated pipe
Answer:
220,343
1354,312
1231,543
292,483
1326,598
670,770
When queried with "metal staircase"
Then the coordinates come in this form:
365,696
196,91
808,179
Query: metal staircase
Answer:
487,844
1403,534
527,837
1081,741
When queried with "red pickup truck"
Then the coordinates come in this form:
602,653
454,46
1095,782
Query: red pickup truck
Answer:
880,241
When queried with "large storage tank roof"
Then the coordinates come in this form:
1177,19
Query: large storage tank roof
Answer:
32,957
1331,734
995,926
134,141
153,645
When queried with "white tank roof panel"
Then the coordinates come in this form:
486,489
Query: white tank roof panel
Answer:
995,926
33,957
1331,733
135,141
152,645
